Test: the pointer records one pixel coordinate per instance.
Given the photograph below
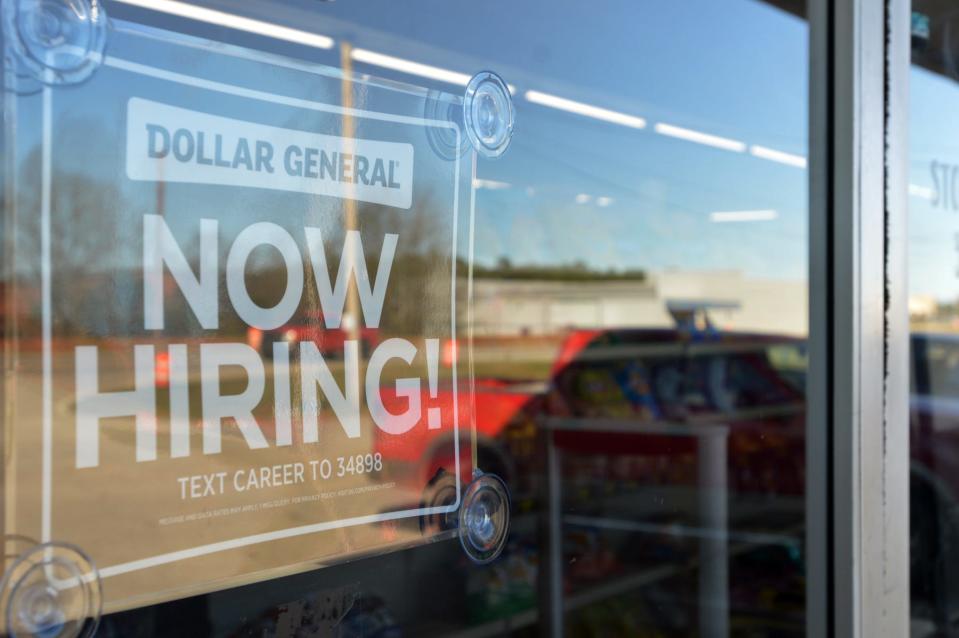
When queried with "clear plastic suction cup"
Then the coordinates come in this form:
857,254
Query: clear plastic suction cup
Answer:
488,114
438,496
56,41
484,518
52,590
446,142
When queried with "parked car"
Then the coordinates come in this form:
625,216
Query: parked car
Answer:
745,381
750,383
310,326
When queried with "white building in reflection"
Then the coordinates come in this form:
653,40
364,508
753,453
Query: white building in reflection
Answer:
736,302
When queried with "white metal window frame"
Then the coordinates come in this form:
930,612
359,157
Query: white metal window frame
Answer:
858,397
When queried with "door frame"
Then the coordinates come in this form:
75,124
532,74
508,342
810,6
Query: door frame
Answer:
857,435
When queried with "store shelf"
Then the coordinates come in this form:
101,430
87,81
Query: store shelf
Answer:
497,627
623,585
611,589
683,531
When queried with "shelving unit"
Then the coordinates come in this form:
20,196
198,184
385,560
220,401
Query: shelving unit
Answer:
708,499
615,587
712,510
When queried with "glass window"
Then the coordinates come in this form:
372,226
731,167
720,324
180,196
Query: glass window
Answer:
410,319
933,292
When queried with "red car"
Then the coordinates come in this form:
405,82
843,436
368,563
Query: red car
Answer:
752,384
310,326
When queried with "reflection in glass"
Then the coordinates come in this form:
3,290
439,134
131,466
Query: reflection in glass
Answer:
630,321
933,292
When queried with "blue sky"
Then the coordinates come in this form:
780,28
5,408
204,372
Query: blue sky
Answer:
574,188
933,137
736,69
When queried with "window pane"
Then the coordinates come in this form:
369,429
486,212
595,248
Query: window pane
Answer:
307,333
933,292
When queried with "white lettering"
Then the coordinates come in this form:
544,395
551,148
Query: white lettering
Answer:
160,247
408,388
93,405
179,401
345,404
253,314
352,263
282,416
216,406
